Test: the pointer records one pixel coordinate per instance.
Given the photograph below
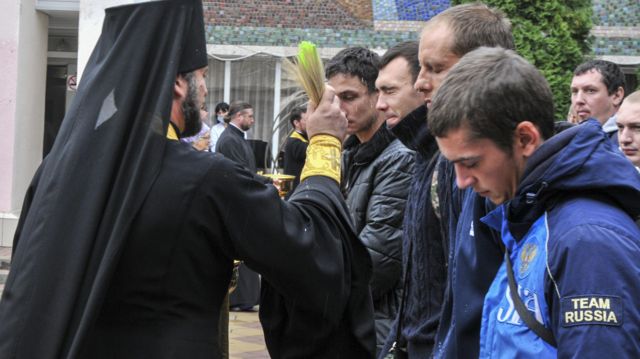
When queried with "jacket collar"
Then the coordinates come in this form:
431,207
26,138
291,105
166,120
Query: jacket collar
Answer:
299,136
235,130
579,161
364,153
414,133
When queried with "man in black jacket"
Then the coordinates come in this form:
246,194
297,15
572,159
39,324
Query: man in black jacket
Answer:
472,250
376,176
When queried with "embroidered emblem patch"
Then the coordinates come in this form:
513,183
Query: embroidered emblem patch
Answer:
527,254
591,309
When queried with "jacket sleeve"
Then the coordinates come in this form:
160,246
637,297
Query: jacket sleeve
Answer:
382,232
593,292
281,239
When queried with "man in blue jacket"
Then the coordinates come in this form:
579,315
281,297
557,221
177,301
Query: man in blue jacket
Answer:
471,248
568,232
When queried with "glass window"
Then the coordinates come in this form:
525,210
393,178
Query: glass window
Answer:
215,84
252,81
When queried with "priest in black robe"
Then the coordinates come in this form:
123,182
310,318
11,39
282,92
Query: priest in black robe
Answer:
233,145
125,243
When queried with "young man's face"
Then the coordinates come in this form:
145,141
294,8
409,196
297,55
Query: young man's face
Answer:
396,95
436,59
480,164
628,121
357,104
590,98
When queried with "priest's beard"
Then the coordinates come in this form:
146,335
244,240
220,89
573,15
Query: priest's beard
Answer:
190,109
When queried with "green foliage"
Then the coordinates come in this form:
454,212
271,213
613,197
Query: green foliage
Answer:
553,35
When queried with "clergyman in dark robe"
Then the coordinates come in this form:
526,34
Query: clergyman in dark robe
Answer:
126,239
232,142
233,145
295,148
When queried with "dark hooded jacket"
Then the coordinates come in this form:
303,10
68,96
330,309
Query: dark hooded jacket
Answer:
423,242
376,177
475,254
571,236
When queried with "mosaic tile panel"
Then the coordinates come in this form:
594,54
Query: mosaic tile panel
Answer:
269,36
616,12
361,9
379,23
385,10
616,46
420,10
288,14
408,10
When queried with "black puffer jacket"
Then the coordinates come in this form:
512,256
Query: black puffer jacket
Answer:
376,180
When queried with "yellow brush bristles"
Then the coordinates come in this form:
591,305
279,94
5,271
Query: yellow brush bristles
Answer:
308,71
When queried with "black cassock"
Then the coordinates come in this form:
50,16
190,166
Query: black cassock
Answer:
233,146
295,153
125,240
202,212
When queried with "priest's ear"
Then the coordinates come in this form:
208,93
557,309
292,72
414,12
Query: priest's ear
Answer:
180,87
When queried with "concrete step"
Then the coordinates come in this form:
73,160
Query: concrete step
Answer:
4,269
3,279
5,262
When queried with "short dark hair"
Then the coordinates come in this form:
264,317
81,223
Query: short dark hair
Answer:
492,90
234,108
222,106
355,61
296,114
612,76
408,50
475,25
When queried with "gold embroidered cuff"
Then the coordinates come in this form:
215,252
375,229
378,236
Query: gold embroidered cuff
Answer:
323,158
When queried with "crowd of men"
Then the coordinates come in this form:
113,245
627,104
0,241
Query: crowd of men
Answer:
440,209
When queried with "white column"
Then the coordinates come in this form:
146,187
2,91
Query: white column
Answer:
275,136
23,72
227,82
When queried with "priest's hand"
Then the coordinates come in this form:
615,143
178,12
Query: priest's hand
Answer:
327,118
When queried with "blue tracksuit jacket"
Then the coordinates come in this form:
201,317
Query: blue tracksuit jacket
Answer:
574,246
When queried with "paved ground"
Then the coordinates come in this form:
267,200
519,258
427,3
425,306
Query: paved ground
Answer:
245,334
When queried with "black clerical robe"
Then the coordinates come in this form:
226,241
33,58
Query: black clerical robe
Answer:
201,212
295,153
233,145
125,239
